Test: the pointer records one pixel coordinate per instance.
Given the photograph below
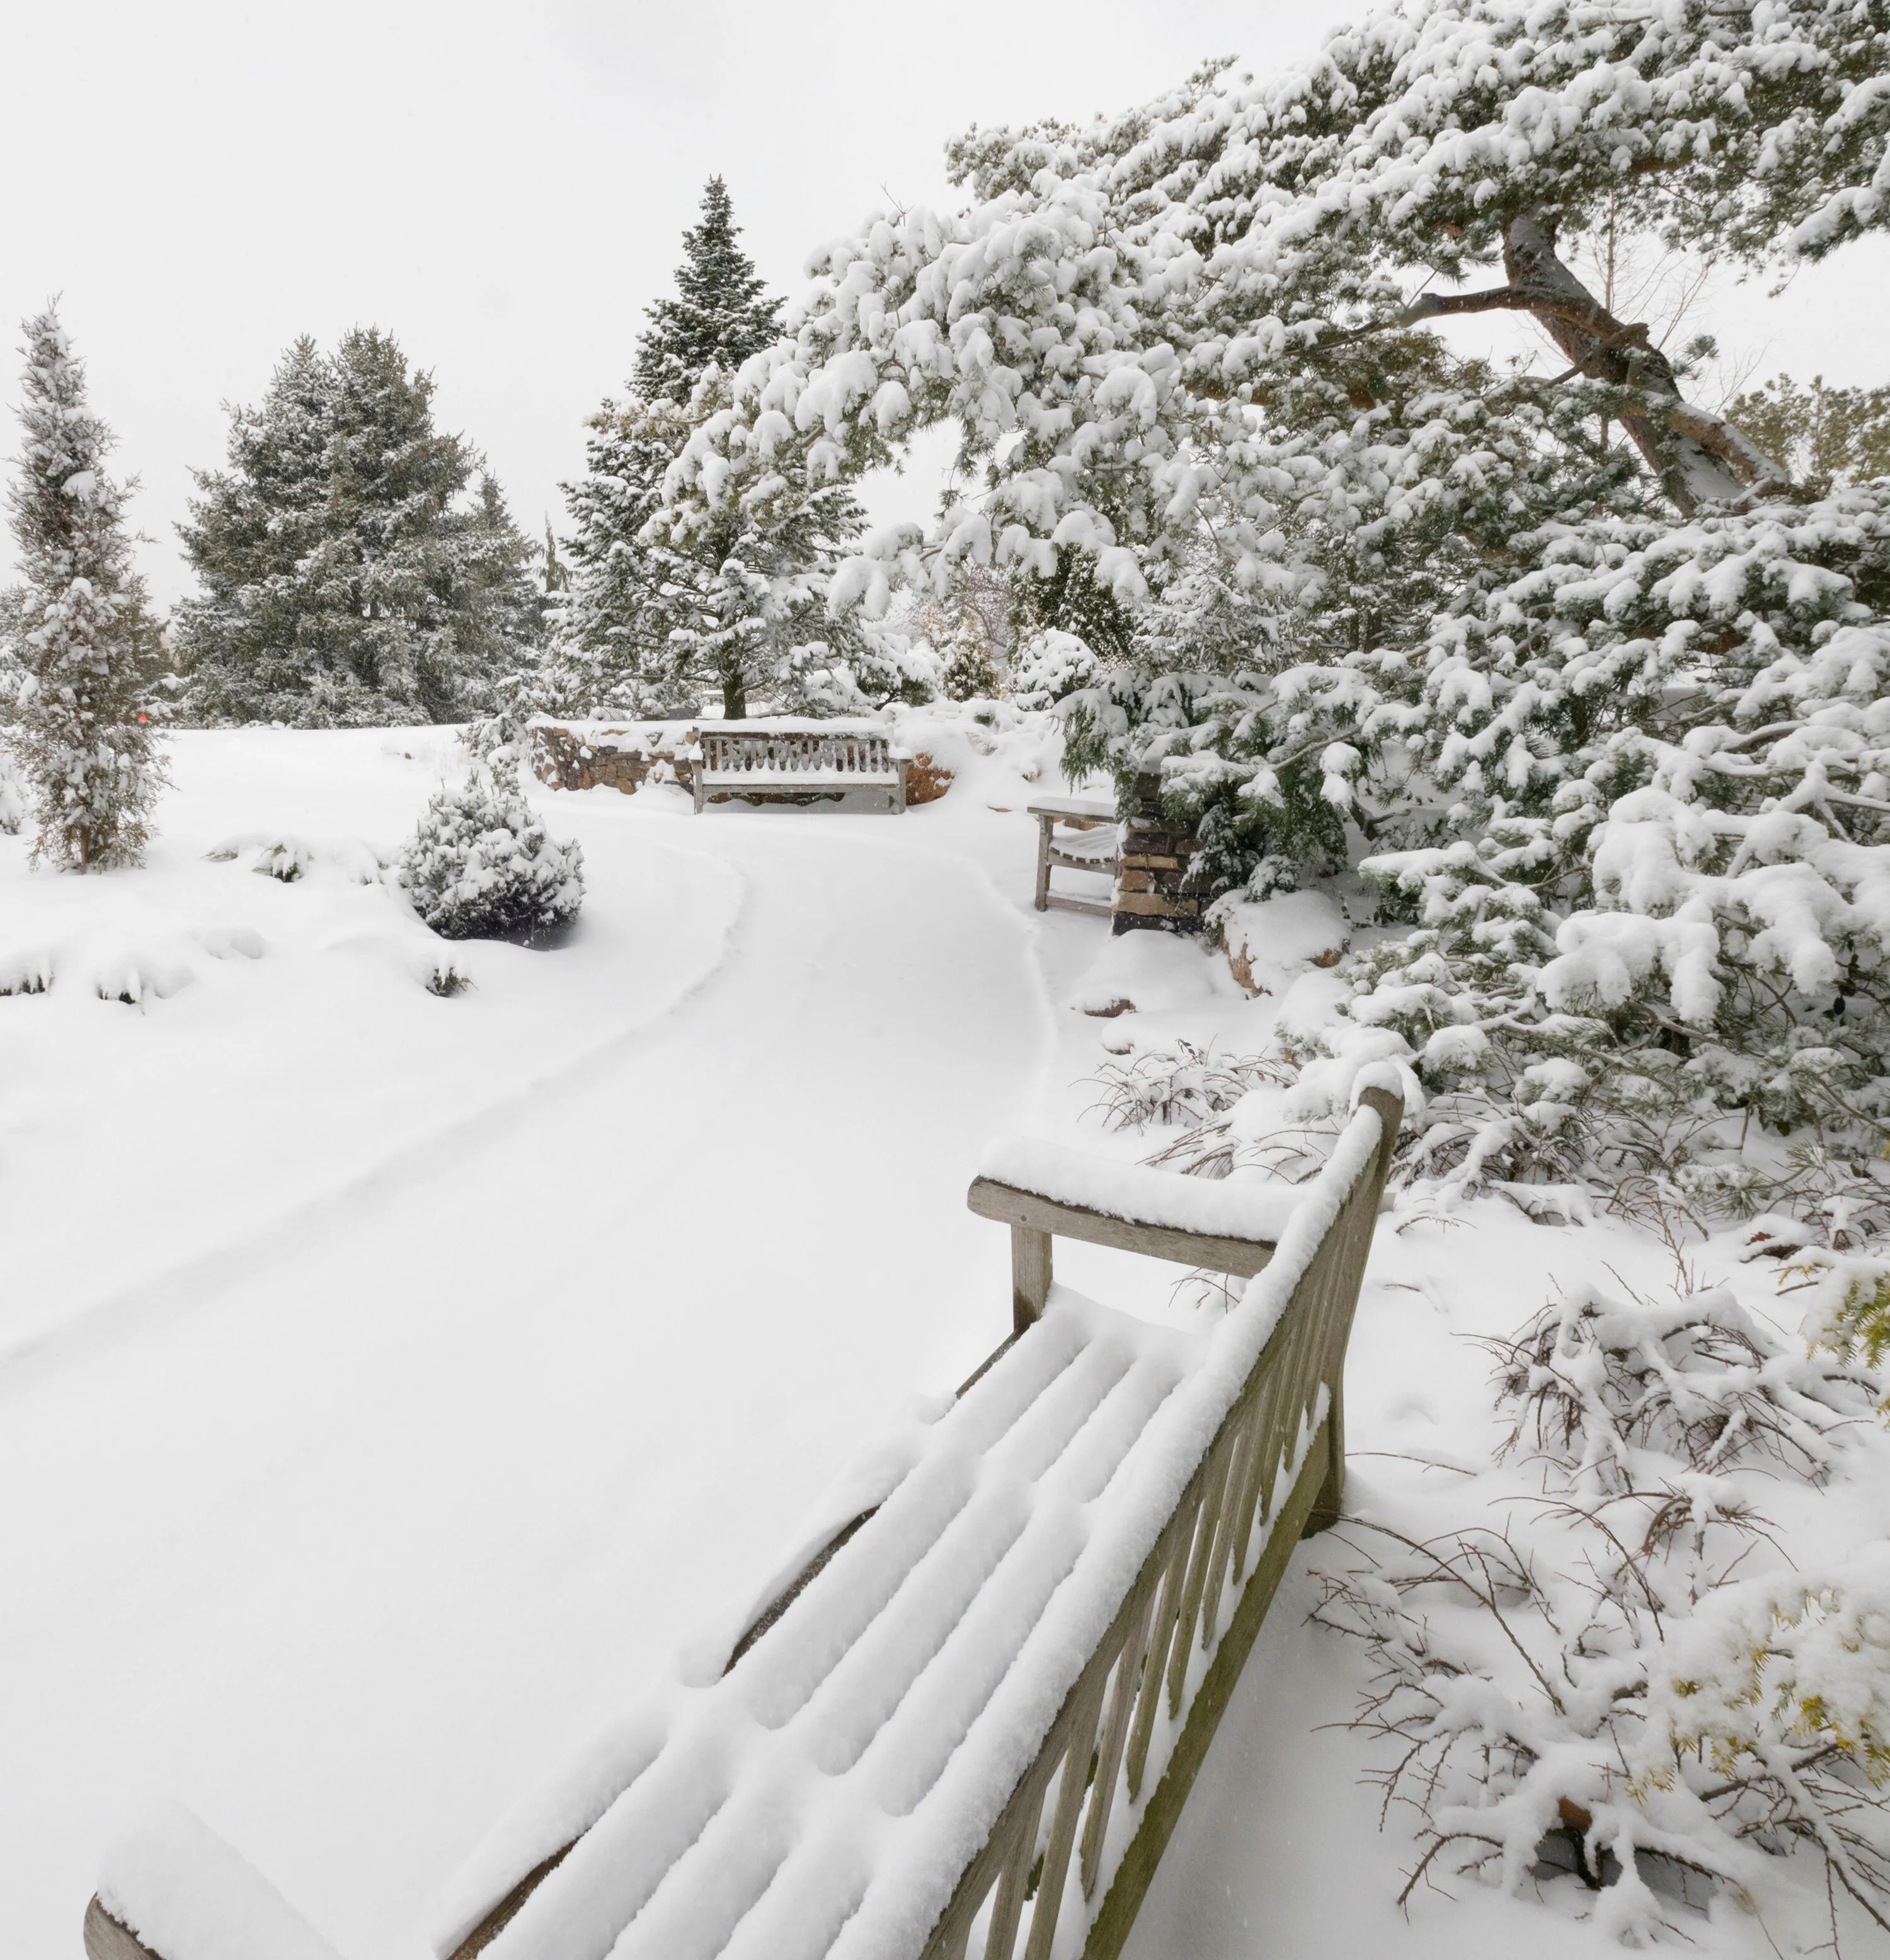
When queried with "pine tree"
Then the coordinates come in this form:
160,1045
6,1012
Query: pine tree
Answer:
734,602
721,315
345,583
82,630
480,865
1560,661
1823,434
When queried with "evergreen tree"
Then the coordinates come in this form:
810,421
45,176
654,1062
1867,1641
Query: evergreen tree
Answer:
1821,433
661,611
1563,663
344,583
721,315
83,635
612,623
481,865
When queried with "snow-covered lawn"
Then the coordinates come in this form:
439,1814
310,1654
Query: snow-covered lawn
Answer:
389,1379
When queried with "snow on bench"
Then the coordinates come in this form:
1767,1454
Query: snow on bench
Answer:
171,1885
786,760
974,1715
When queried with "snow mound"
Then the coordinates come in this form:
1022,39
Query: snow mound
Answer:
1273,942
146,962
291,858
1152,972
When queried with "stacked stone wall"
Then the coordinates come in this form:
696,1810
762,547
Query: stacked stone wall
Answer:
1154,887
588,757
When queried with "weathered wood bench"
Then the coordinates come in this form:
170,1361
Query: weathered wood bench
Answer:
1053,851
972,1709
796,761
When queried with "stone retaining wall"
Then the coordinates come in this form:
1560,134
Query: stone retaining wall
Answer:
616,755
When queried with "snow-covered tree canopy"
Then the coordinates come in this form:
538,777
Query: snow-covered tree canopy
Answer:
722,312
1597,715
1105,318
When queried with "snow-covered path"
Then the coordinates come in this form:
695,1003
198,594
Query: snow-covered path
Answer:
389,1383
346,1529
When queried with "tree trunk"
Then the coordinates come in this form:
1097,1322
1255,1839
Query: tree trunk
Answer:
1700,457
734,696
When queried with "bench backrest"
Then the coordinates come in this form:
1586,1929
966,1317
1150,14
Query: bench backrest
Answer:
794,753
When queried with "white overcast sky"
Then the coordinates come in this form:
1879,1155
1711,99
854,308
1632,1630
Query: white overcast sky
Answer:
504,187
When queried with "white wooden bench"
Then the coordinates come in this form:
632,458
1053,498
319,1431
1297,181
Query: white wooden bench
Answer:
1065,837
971,1710
796,761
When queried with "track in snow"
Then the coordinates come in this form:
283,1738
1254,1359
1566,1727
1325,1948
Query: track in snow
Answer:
348,1537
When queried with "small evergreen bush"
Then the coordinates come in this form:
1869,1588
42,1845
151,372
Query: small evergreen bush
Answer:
481,865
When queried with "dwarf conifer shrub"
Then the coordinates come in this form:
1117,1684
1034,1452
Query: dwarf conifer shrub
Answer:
481,866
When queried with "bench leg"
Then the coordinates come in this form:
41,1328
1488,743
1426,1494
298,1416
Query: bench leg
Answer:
1029,1275
1043,863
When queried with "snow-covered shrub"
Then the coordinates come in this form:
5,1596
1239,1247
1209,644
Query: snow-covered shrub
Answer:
1177,1082
502,732
288,859
1849,1309
1663,759
1594,1385
1052,666
481,865
1610,1685
1779,1689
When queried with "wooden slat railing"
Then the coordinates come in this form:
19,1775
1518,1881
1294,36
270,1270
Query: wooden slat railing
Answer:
1274,1473
1104,1783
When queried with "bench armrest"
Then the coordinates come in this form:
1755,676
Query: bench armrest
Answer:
1227,1226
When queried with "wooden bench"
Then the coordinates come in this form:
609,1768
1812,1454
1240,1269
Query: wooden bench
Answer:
796,761
973,1709
1053,851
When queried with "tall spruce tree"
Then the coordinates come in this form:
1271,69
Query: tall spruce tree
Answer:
656,615
721,313
346,582
83,636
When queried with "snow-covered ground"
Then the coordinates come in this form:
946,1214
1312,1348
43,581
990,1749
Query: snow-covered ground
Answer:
389,1379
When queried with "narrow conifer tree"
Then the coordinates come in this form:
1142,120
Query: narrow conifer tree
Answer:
658,617
83,636
721,313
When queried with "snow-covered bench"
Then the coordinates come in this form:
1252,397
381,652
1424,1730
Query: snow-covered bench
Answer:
796,761
1067,836
970,1706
